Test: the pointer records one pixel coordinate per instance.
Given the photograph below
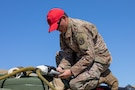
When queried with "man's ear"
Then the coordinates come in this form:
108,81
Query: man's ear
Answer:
63,16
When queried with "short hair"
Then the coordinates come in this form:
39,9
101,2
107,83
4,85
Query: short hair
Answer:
65,14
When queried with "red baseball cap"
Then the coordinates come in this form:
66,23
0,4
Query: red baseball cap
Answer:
53,17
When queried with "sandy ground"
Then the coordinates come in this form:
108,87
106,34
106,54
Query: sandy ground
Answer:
3,71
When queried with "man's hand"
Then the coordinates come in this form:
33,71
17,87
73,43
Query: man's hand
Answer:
66,74
59,69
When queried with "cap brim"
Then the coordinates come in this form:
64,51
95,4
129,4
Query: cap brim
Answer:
53,27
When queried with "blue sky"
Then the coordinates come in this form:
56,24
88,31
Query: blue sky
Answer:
25,41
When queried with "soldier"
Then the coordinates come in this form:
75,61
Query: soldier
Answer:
84,56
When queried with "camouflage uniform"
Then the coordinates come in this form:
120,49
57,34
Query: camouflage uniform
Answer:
84,53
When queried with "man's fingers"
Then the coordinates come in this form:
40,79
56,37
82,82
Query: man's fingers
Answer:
59,69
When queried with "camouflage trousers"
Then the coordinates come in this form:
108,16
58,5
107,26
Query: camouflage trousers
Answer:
88,79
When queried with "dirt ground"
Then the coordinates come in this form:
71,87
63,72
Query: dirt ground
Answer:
3,71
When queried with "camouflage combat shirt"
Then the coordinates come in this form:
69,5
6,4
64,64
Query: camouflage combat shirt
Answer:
83,39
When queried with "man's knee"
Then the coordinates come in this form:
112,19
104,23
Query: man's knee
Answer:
84,85
58,57
74,85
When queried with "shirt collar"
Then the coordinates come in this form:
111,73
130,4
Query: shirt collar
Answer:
69,29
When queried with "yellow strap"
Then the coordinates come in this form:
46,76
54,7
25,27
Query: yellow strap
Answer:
38,72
